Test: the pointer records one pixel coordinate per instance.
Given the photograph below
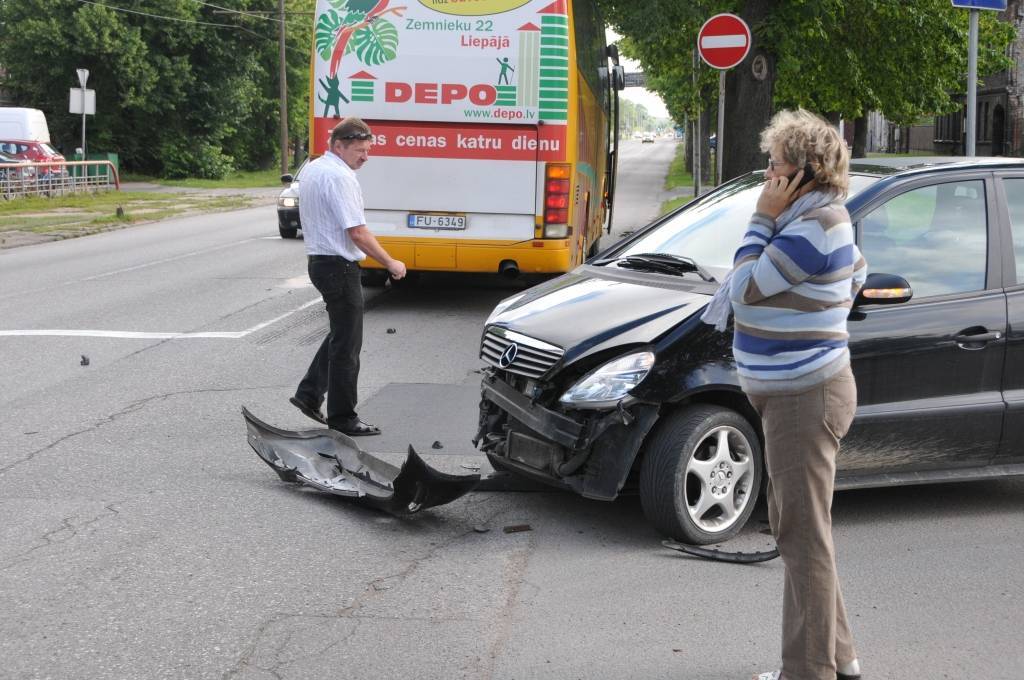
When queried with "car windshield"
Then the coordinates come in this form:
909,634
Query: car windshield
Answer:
710,231
48,149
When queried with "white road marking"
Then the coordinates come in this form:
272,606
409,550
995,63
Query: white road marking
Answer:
142,335
716,41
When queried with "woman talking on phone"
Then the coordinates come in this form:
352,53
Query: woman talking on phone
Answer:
794,278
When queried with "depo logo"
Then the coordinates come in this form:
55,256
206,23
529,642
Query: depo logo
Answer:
473,8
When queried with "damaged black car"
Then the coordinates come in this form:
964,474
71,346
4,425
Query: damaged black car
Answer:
605,378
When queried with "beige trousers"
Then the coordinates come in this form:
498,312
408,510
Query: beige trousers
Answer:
802,433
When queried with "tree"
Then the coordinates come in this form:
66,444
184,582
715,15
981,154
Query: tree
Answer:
183,88
835,57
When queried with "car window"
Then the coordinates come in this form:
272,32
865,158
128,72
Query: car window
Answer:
1015,202
936,237
710,231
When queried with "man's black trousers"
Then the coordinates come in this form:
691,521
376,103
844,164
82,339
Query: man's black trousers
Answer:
335,368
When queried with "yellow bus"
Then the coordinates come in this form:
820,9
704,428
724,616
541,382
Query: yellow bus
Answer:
494,126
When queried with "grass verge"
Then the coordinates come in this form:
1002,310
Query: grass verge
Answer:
678,177
34,219
236,180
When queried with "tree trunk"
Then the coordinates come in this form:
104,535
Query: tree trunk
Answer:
706,123
748,100
860,137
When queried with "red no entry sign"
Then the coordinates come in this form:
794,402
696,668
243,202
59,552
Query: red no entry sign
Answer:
723,41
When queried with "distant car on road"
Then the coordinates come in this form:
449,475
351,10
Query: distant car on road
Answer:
648,138
605,377
288,205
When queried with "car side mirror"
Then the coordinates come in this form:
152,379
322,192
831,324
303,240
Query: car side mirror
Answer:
287,178
884,289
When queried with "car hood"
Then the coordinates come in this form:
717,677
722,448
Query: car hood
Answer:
594,308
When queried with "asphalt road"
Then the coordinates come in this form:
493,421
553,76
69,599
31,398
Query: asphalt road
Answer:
142,538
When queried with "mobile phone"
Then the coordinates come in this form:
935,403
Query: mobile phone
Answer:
807,176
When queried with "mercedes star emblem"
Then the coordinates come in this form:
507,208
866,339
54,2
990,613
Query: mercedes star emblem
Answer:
508,356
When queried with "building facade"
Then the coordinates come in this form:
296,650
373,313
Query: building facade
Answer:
1000,127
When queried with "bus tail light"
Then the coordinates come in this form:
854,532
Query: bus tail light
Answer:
556,200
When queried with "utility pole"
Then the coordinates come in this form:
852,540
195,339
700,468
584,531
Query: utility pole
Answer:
283,90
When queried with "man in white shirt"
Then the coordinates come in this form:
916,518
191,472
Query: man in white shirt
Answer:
334,230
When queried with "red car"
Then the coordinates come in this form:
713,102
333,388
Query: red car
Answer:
36,152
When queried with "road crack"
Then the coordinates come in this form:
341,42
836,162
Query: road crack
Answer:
63,533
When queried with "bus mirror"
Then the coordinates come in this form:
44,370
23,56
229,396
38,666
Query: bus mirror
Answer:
619,78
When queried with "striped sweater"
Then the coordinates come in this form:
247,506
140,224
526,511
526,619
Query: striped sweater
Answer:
791,291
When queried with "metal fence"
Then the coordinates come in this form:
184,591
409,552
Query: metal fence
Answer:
49,179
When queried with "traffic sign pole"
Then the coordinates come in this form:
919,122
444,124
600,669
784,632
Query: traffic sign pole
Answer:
83,77
720,138
972,64
972,83
723,42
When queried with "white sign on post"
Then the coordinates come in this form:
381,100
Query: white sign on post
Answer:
75,101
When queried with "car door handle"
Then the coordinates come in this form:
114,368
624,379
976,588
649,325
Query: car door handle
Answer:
976,339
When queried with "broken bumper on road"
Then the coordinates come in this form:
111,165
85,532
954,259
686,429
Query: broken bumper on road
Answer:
333,463
588,452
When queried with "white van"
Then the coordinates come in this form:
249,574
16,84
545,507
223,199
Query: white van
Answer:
23,124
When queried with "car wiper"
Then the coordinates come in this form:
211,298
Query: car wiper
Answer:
661,262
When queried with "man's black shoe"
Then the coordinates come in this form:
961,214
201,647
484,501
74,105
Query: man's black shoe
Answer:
356,428
308,411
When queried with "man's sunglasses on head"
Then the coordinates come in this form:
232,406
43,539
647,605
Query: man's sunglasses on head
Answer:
363,136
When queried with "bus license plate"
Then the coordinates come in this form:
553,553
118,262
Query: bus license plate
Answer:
428,221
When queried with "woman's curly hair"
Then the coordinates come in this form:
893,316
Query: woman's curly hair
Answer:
803,137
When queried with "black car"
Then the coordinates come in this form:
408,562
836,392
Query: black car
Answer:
606,377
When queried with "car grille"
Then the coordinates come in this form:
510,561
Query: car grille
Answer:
532,358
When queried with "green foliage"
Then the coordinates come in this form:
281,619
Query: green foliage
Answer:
166,87
905,59
203,160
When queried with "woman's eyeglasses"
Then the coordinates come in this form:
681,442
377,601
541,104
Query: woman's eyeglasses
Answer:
772,163
362,136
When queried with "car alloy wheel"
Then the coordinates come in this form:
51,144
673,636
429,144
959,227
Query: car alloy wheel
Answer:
701,474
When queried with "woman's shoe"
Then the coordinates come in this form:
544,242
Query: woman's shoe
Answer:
772,675
850,671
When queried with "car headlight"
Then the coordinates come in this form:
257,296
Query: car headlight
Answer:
611,382
288,202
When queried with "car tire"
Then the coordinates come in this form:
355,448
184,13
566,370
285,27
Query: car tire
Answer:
374,278
288,233
690,490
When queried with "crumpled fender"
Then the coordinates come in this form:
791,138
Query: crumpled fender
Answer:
332,462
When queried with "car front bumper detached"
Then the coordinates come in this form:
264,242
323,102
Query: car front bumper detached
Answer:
331,462
588,452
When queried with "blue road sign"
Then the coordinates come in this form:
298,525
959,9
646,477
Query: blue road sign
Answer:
998,5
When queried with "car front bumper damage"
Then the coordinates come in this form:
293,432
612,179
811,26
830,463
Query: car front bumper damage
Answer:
333,463
588,452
